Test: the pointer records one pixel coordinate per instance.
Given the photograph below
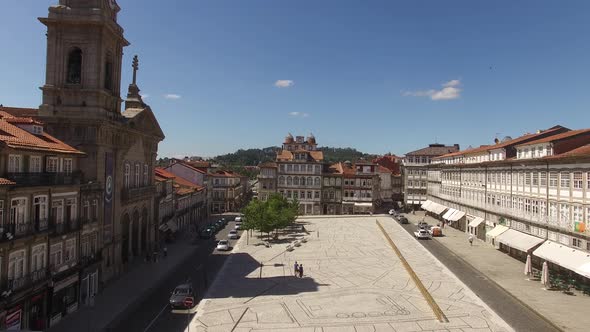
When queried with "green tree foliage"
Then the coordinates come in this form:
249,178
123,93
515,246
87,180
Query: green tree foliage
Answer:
271,215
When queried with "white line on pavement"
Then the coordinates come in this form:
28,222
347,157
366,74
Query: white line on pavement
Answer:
155,318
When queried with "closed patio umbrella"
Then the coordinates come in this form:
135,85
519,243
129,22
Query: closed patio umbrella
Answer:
545,274
528,266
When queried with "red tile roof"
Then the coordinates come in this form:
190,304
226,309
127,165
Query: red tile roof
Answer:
6,182
183,163
557,137
164,173
187,184
434,150
384,169
268,165
391,162
583,151
228,174
20,111
17,138
284,155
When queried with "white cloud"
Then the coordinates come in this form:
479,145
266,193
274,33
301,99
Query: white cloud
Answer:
284,83
171,96
299,114
449,91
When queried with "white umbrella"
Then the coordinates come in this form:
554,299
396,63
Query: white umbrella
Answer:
545,274
528,266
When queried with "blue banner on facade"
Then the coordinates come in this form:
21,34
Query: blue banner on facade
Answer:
108,197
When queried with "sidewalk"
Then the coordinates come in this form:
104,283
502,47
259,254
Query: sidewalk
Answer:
122,293
507,272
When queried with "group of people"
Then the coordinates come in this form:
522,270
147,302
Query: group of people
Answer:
298,270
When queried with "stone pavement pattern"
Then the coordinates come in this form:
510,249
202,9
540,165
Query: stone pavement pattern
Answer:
353,281
508,272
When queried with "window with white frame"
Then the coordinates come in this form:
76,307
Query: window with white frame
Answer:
38,257
578,182
565,180
543,179
535,179
56,254
564,215
577,214
527,178
126,176
35,164
15,163
40,208
57,211
145,175
94,214
70,252
51,165
553,179
18,211
137,175
86,210
71,209
17,264
576,242
68,166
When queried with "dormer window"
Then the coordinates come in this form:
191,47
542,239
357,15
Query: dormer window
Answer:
37,130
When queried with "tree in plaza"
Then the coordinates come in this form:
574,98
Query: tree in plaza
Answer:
271,215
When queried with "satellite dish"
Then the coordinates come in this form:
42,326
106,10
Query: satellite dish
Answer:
506,139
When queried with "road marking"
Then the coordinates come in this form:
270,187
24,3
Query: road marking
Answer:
155,318
239,319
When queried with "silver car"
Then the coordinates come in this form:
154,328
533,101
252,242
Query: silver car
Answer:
180,294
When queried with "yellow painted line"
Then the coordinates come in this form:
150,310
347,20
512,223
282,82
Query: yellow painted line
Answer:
433,305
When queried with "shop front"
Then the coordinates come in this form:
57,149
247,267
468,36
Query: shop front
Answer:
88,285
37,311
13,321
64,299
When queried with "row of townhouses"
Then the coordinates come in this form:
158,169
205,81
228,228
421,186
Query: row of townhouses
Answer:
525,196
300,173
80,195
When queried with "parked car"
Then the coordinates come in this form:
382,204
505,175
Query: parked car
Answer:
403,220
223,245
233,234
220,224
180,294
238,219
423,225
206,233
238,226
435,231
392,212
422,234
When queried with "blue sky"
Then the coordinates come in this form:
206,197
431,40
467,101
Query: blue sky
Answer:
379,76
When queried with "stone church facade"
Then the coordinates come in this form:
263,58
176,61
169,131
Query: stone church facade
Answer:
82,106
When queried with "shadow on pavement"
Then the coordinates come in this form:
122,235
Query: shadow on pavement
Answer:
242,279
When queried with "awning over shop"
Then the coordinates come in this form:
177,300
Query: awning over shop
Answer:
439,209
426,205
518,240
363,204
564,256
347,202
456,215
499,229
475,222
449,213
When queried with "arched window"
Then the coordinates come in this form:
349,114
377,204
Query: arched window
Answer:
302,181
127,173
289,181
333,181
137,175
296,181
281,180
145,175
108,72
74,74
309,181
317,182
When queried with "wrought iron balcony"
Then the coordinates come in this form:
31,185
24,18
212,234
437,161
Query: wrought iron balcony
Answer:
135,194
25,281
59,228
90,259
45,179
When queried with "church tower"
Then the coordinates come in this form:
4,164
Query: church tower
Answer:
84,53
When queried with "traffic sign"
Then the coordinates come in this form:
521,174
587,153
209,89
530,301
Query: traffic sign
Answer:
188,302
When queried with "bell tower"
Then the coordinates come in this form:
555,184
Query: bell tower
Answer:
84,54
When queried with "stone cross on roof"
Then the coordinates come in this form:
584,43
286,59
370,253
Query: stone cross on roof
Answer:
135,68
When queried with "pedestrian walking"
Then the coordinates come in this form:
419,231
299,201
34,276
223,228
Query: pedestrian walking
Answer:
300,270
471,239
296,268
165,251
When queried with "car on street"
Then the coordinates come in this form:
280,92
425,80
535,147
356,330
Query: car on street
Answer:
233,234
223,245
403,220
220,224
392,212
435,231
180,294
238,219
423,225
206,233
238,226
422,234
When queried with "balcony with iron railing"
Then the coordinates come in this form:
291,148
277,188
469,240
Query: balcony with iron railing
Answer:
45,179
135,194
27,280
63,227
90,259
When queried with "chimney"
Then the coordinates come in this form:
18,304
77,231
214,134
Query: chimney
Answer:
457,146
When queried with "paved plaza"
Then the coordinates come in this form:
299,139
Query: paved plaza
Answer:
353,281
